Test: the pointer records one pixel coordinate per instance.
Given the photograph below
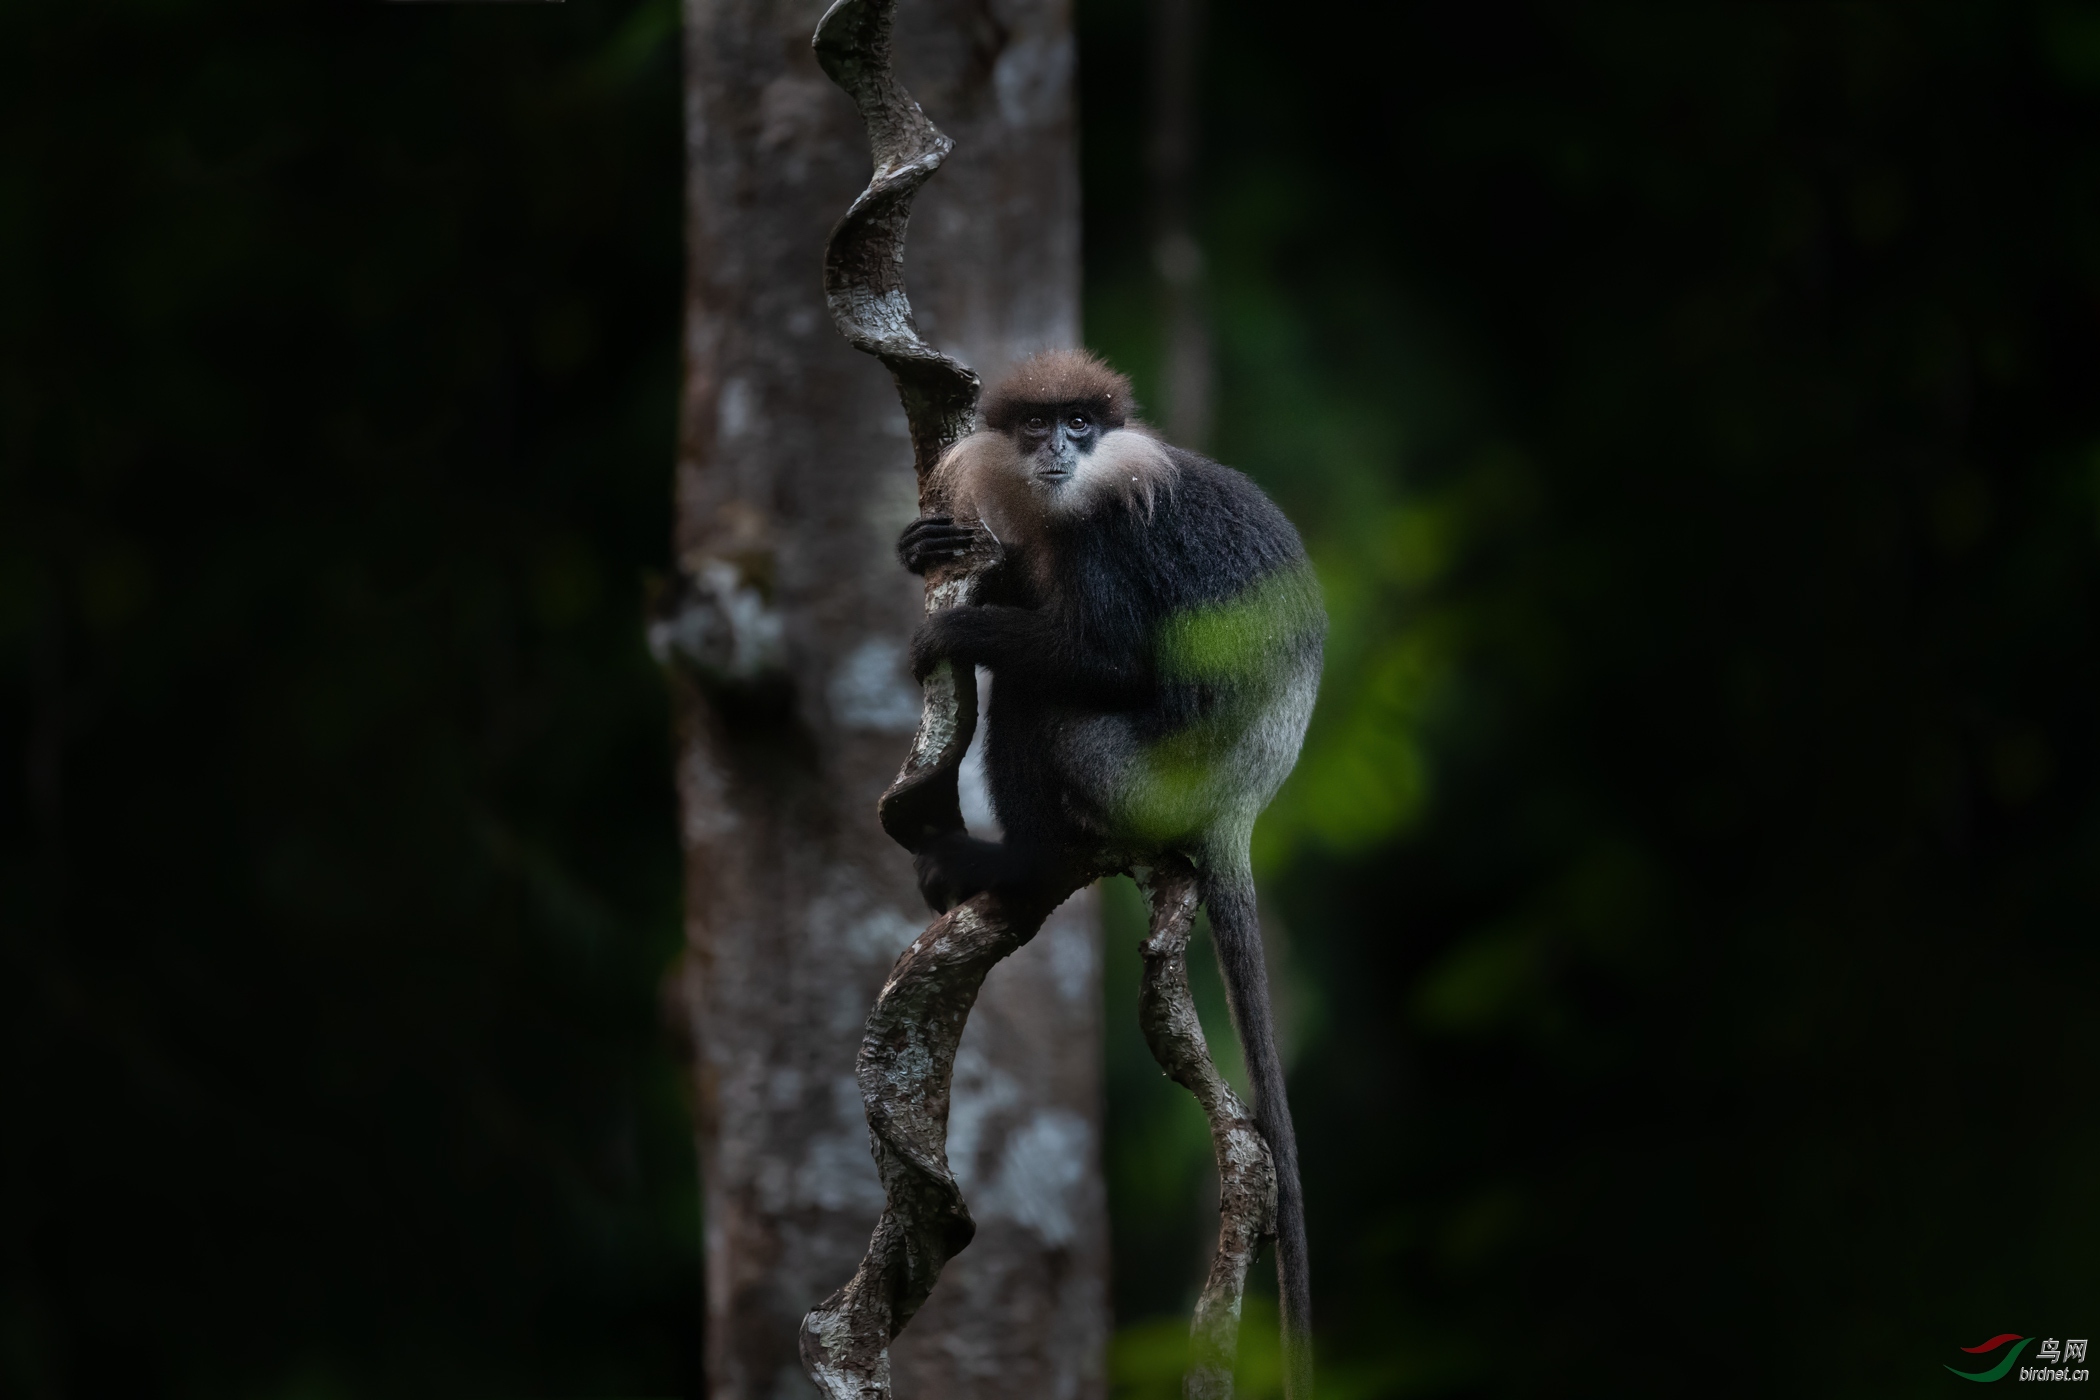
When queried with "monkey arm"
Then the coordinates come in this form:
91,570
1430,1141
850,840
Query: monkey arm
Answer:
1029,646
991,636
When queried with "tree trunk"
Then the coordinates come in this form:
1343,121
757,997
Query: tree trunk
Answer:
794,707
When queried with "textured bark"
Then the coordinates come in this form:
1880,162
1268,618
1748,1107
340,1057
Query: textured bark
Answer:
1246,1172
906,1067
787,635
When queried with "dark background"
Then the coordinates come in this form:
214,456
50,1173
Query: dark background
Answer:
1689,886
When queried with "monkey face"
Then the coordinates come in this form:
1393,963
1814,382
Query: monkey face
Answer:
1053,439
1045,460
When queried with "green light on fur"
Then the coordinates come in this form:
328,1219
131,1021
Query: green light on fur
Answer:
1241,636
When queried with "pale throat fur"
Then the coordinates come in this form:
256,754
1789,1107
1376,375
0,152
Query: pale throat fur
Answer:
988,478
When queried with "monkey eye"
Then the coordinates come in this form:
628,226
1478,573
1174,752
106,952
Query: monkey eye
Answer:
1036,423
1080,423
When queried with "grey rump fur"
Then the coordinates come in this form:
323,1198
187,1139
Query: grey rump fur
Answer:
1154,633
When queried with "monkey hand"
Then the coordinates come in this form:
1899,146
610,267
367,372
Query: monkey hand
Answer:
939,886
956,866
984,635
937,539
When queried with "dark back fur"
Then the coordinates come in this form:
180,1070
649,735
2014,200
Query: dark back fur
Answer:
1211,535
1114,574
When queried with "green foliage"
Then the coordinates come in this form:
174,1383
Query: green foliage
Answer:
1688,410
1147,1361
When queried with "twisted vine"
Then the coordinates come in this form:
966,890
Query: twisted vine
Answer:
907,1053
864,289
1246,1171
906,1062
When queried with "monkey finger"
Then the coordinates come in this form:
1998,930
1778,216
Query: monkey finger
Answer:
921,558
928,522
931,547
929,540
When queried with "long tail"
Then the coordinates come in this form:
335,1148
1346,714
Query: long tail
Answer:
1228,892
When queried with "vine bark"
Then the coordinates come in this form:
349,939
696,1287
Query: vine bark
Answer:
907,1055
1246,1171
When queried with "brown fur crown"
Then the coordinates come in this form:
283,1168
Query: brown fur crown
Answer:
1053,378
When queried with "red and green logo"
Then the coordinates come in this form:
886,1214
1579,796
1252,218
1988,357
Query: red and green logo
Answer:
1997,1372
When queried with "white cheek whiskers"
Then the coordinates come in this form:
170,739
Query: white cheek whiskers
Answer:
1127,464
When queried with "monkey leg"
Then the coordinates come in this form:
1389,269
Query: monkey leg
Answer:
957,866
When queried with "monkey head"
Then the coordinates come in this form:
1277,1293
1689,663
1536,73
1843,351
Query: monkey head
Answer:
1055,407
1067,420
1057,442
